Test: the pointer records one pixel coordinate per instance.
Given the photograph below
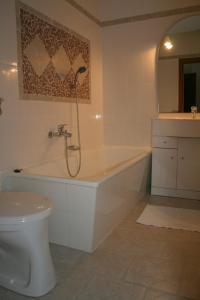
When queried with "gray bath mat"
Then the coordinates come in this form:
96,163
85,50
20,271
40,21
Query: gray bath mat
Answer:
170,217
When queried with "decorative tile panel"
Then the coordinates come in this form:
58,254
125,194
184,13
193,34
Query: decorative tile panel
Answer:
61,63
49,56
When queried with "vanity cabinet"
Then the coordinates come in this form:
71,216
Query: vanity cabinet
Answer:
164,169
176,166
188,164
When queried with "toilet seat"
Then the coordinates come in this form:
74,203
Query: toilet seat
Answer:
21,207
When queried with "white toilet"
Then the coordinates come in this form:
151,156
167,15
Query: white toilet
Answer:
25,262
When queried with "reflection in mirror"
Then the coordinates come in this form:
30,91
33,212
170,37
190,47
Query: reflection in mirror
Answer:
179,67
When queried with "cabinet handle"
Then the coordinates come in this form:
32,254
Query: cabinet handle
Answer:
171,157
182,158
164,142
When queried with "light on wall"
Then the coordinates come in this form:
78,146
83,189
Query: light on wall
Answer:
8,69
168,43
98,116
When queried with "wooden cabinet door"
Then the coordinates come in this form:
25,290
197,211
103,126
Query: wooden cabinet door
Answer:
188,164
164,167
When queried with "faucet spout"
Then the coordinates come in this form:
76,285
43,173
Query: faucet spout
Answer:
67,134
61,131
194,111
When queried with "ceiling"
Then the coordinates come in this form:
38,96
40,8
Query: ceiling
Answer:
105,10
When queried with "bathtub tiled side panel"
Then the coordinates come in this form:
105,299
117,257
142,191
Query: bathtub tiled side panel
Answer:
117,196
81,202
83,216
72,220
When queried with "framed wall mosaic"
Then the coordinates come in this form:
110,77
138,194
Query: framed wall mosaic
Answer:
49,56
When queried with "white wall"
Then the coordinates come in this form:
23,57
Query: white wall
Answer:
130,70
24,125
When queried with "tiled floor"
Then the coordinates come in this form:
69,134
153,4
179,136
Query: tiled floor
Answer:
136,262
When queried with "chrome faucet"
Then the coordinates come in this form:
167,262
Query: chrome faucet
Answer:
61,131
194,111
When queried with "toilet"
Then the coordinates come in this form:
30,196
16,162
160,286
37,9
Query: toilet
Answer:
25,261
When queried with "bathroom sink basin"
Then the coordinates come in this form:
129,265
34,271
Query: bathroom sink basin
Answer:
182,126
179,116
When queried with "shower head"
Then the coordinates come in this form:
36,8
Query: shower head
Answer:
82,69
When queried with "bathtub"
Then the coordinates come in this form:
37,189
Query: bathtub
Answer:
89,207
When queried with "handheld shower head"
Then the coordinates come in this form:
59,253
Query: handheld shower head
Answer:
82,69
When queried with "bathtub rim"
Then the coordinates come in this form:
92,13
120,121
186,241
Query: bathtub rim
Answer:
88,181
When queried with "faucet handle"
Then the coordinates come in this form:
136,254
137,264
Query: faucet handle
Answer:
61,127
194,109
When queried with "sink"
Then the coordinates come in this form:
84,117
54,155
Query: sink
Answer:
179,116
182,126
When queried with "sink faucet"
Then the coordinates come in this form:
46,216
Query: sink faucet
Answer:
61,131
193,111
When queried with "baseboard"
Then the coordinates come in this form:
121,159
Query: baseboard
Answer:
175,193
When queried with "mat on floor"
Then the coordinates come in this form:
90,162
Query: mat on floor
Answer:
170,217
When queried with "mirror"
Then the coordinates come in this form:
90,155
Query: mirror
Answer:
179,67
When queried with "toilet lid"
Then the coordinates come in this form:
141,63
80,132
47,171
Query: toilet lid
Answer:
20,207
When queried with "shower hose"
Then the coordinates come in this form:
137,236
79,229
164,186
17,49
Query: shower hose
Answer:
71,174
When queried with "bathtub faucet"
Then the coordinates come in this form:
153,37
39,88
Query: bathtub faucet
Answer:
61,131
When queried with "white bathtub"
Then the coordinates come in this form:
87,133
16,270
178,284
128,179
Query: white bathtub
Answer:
86,209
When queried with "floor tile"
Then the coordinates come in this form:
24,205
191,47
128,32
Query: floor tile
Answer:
159,295
102,263
9,295
190,283
69,287
65,260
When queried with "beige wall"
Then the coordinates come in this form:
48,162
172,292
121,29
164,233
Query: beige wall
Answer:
24,125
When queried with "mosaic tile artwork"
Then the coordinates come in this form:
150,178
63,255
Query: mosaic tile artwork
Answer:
49,56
